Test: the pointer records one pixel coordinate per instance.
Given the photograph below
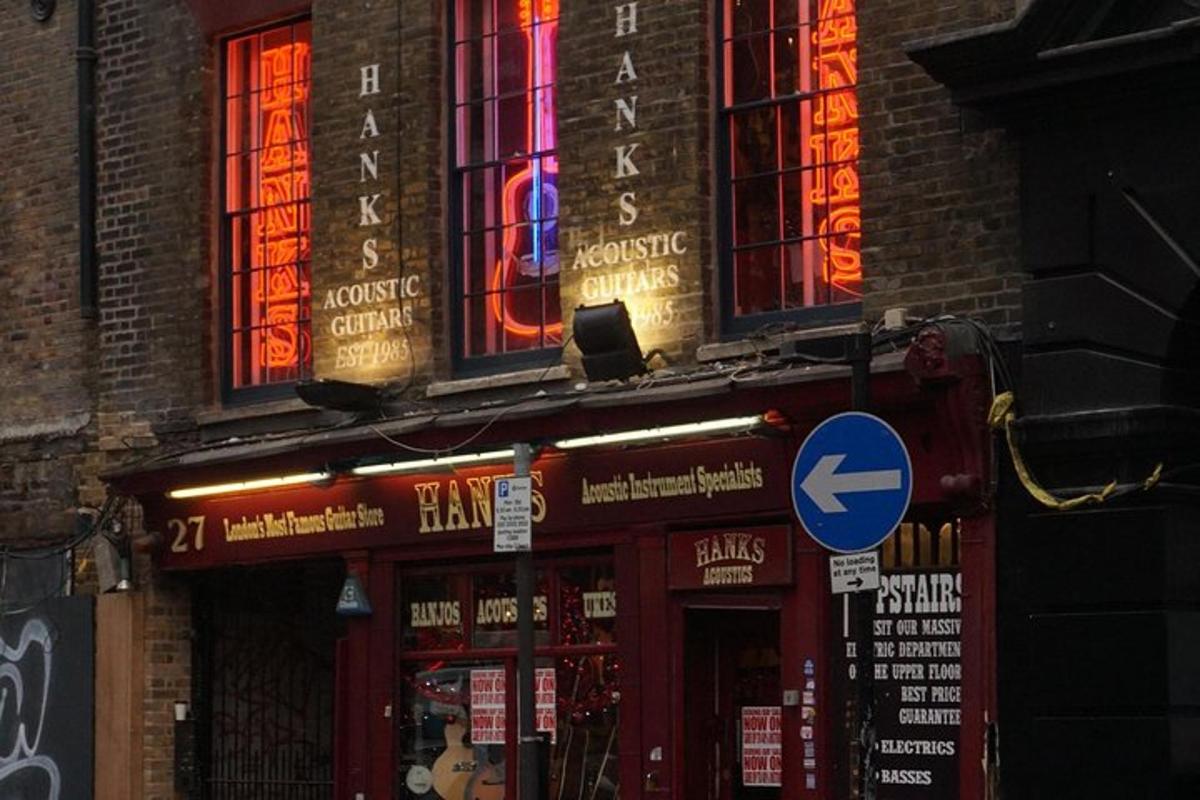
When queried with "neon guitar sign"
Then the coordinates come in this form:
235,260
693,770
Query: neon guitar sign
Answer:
529,201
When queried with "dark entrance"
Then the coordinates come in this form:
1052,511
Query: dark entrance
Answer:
264,692
732,661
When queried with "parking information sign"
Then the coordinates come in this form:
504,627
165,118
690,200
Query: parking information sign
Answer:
851,482
512,524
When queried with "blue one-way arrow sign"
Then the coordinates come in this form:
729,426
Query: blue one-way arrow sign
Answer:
851,482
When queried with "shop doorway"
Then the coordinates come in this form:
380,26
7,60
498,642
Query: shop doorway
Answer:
263,697
731,689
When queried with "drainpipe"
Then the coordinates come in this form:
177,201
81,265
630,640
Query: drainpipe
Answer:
85,57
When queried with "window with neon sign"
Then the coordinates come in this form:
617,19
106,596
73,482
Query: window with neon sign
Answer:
266,210
506,176
790,123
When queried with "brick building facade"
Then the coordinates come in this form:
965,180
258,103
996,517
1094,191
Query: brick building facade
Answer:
144,393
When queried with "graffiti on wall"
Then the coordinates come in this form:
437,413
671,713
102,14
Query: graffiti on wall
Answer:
46,673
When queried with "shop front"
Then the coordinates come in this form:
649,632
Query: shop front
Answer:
687,643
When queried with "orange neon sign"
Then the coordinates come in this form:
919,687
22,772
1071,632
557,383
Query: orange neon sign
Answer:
530,195
283,181
267,184
835,113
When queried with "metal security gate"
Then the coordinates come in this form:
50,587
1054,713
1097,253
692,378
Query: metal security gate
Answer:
264,690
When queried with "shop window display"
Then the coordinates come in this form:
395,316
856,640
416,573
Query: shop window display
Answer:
456,696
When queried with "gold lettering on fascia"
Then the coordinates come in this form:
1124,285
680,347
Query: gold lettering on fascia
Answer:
699,481
287,523
744,549
466,504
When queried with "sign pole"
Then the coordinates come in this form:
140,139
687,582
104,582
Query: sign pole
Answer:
528,739
864,602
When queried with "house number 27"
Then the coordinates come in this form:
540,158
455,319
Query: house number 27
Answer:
186,536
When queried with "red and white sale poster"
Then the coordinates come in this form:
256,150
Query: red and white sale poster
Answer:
545,690
487,704
762,746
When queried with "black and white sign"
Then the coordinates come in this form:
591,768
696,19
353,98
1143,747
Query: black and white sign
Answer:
512,506
854,573
918,683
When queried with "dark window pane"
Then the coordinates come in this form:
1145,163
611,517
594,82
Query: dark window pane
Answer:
756,210
753,141
470,57
756,280
474,140
513,128
512,61
804,207
787,63
474,19
750,59
802,273
796,133
746,16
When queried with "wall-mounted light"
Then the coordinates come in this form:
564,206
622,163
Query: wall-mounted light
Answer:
340,395
249,486
724,425
438,462
605,337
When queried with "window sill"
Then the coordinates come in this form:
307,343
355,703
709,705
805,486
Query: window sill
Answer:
559,372
743,348
241,420
274,408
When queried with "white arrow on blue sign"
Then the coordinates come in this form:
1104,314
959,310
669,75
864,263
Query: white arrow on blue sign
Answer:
851,482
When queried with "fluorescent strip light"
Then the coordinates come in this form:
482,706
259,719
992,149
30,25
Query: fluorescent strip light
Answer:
434,463
249,486
666,432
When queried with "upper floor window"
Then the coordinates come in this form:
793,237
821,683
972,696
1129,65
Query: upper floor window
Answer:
505,215
266,212
789,125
